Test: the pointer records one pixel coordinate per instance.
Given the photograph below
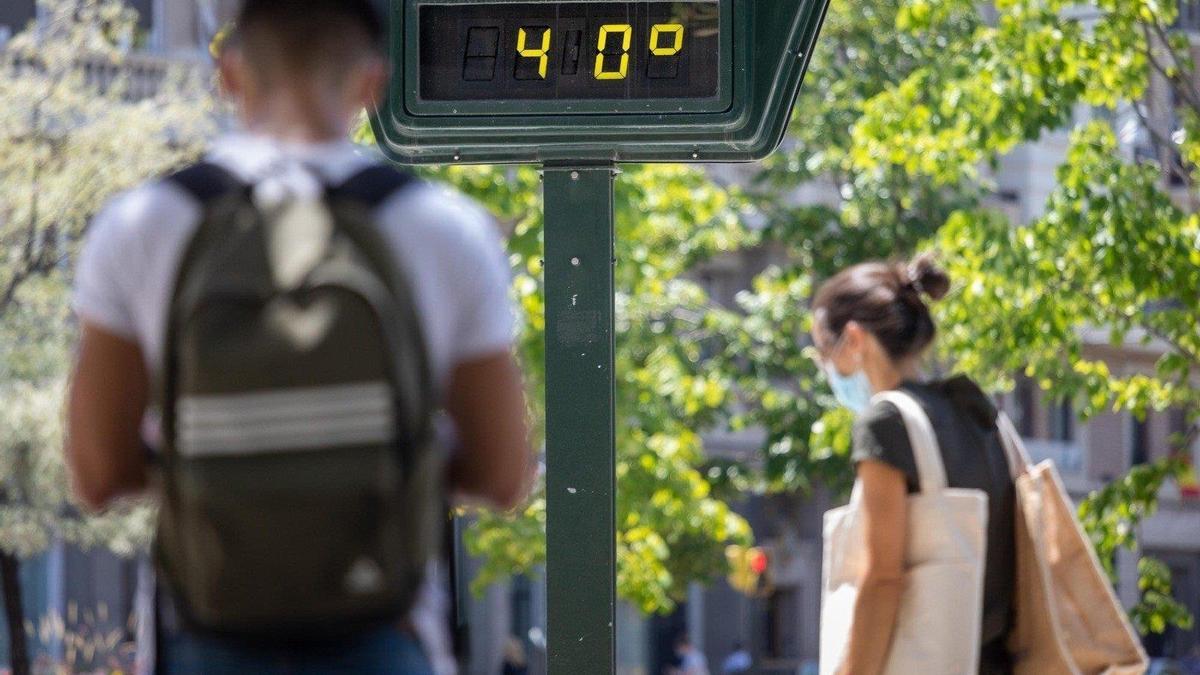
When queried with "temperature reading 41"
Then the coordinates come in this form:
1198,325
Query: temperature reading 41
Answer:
570,50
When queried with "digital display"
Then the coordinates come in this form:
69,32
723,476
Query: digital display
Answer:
561,51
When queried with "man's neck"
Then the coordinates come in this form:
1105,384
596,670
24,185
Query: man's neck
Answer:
291,120
299,133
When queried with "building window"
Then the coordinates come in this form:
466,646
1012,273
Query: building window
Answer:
1189,15
1140,443
1179,429
1062,422
15,15
663,631
521,607
1026,402
1178,169
783,624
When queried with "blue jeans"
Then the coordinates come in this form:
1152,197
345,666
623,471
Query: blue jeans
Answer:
385,651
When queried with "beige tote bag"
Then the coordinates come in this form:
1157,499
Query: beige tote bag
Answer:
1068,620
938,626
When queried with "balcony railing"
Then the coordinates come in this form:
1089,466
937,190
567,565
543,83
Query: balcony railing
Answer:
1066,455
140,76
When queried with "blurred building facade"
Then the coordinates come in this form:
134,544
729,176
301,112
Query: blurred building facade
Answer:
175,28
80,605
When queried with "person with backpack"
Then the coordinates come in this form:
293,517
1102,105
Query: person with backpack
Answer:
872,327
267,339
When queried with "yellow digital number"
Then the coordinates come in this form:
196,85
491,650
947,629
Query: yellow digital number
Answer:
626,32
656,34
541,53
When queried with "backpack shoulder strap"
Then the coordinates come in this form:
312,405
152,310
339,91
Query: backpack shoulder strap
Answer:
374,185
368,189
205,181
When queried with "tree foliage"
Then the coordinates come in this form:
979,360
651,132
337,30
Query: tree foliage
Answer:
1115,252
826,210
909,106
671,528
75,128
908,109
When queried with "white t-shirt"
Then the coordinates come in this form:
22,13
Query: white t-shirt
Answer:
446,246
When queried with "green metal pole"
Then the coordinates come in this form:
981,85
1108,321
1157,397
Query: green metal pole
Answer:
580,434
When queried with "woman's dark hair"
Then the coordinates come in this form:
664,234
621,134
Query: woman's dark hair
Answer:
886,299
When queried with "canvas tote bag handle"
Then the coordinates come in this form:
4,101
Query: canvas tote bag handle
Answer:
930,470
1014,447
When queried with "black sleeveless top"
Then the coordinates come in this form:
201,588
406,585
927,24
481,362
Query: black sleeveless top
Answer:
964,421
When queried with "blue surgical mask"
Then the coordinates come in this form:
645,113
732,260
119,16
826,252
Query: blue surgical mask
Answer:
852,391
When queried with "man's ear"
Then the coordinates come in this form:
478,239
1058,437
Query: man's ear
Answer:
373,82
231,66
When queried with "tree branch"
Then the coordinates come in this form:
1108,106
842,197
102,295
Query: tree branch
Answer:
1115,314
1180,80
1189,93
10,289
1164,146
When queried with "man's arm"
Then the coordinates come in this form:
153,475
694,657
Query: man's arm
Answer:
108,397
486,401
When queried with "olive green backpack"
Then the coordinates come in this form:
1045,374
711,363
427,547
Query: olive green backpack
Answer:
301,490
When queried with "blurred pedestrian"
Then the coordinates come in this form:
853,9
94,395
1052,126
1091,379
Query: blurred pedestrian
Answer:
297,312
738,661
515,660
691,660
872,327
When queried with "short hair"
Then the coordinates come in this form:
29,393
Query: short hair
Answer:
307,37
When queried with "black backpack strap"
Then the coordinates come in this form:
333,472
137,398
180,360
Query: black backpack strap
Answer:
205,181
374,185
370,188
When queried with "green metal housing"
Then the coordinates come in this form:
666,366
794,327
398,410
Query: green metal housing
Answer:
771,42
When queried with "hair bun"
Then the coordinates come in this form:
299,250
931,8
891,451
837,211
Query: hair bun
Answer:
928,278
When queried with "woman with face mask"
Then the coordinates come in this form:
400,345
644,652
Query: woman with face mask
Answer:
871,329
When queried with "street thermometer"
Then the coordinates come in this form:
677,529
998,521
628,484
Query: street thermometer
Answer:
578,87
